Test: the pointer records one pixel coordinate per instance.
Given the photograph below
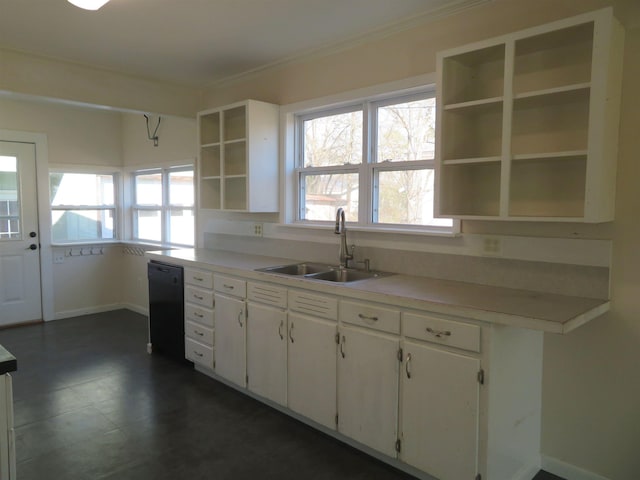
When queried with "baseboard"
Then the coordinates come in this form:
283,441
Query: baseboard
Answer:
526,473
99,309
568,471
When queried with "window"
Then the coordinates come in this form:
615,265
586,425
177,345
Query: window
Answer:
83,206
373,158
163,209
9,206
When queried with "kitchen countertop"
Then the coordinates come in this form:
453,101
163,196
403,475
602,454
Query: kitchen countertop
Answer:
8,362
499,305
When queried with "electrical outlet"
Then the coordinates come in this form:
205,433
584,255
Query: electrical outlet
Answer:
257,229
491,246
58,258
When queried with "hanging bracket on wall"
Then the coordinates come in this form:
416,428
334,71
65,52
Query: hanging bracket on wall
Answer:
153,137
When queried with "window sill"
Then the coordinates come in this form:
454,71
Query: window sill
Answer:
383,230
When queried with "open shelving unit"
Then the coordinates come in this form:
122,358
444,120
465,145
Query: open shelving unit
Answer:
527,123
238,161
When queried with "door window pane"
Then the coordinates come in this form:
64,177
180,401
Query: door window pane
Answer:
149,224
406,131
323,194
406,197
82,225
181,188
149,189
333,140
9,207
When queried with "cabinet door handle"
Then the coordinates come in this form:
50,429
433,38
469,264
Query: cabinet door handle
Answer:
438,333
291,332
240,313
280,329
362,316
406,366
342,346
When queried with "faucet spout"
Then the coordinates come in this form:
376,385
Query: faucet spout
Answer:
340,229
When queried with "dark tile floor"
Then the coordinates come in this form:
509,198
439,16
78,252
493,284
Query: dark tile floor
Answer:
90,403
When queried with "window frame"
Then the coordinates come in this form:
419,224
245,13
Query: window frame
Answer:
116,174
368,171
166,206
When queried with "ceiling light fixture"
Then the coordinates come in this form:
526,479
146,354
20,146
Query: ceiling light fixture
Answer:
88,4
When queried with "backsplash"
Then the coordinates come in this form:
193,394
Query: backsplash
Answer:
564,279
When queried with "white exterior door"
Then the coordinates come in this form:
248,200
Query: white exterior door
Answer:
20,295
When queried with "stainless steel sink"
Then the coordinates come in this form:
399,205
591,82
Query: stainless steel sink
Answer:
342,275
319,271
297,269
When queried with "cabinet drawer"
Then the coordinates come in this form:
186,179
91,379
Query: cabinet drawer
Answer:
198,353
200,278
371,316
444,332
266,293
195,313
230,286
199,333
199,296
316,305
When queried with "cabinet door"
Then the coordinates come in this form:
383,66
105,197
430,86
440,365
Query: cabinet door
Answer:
312,368
267,352
230,349
368,388
439,412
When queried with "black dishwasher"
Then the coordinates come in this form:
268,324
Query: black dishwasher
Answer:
166,309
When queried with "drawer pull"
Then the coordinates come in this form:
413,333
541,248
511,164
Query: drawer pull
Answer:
406,365
366,317
198,297
198,333
230,287
198,279
439,333
199,354
198,314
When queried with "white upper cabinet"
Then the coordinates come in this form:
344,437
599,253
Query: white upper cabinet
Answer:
238,157
527,123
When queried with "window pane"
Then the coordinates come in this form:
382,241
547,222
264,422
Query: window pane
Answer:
181,188
148,189
323,194
181,227
406,197
406,131
82,225
333,140
81,189
9,206
149,224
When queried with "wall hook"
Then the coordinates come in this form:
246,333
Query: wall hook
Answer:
153,137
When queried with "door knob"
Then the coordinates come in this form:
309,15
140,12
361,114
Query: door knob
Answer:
33,234
33,246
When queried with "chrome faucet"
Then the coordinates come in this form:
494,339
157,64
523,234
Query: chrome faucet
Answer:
341,230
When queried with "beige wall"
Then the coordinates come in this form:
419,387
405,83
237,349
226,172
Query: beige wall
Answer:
591,391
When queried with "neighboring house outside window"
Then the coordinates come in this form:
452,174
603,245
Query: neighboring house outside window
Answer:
373,158
163,205
83,206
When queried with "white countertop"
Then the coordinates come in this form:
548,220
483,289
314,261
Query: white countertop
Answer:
507,306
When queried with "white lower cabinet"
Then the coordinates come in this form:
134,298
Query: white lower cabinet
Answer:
230,346
311,385
440,412
368,368
7,433
267,352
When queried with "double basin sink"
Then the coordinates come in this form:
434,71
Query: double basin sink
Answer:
319,271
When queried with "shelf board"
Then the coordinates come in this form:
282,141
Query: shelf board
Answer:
211,177
473,103
209,145
235,176
553,91
465,161
235,140
550,155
